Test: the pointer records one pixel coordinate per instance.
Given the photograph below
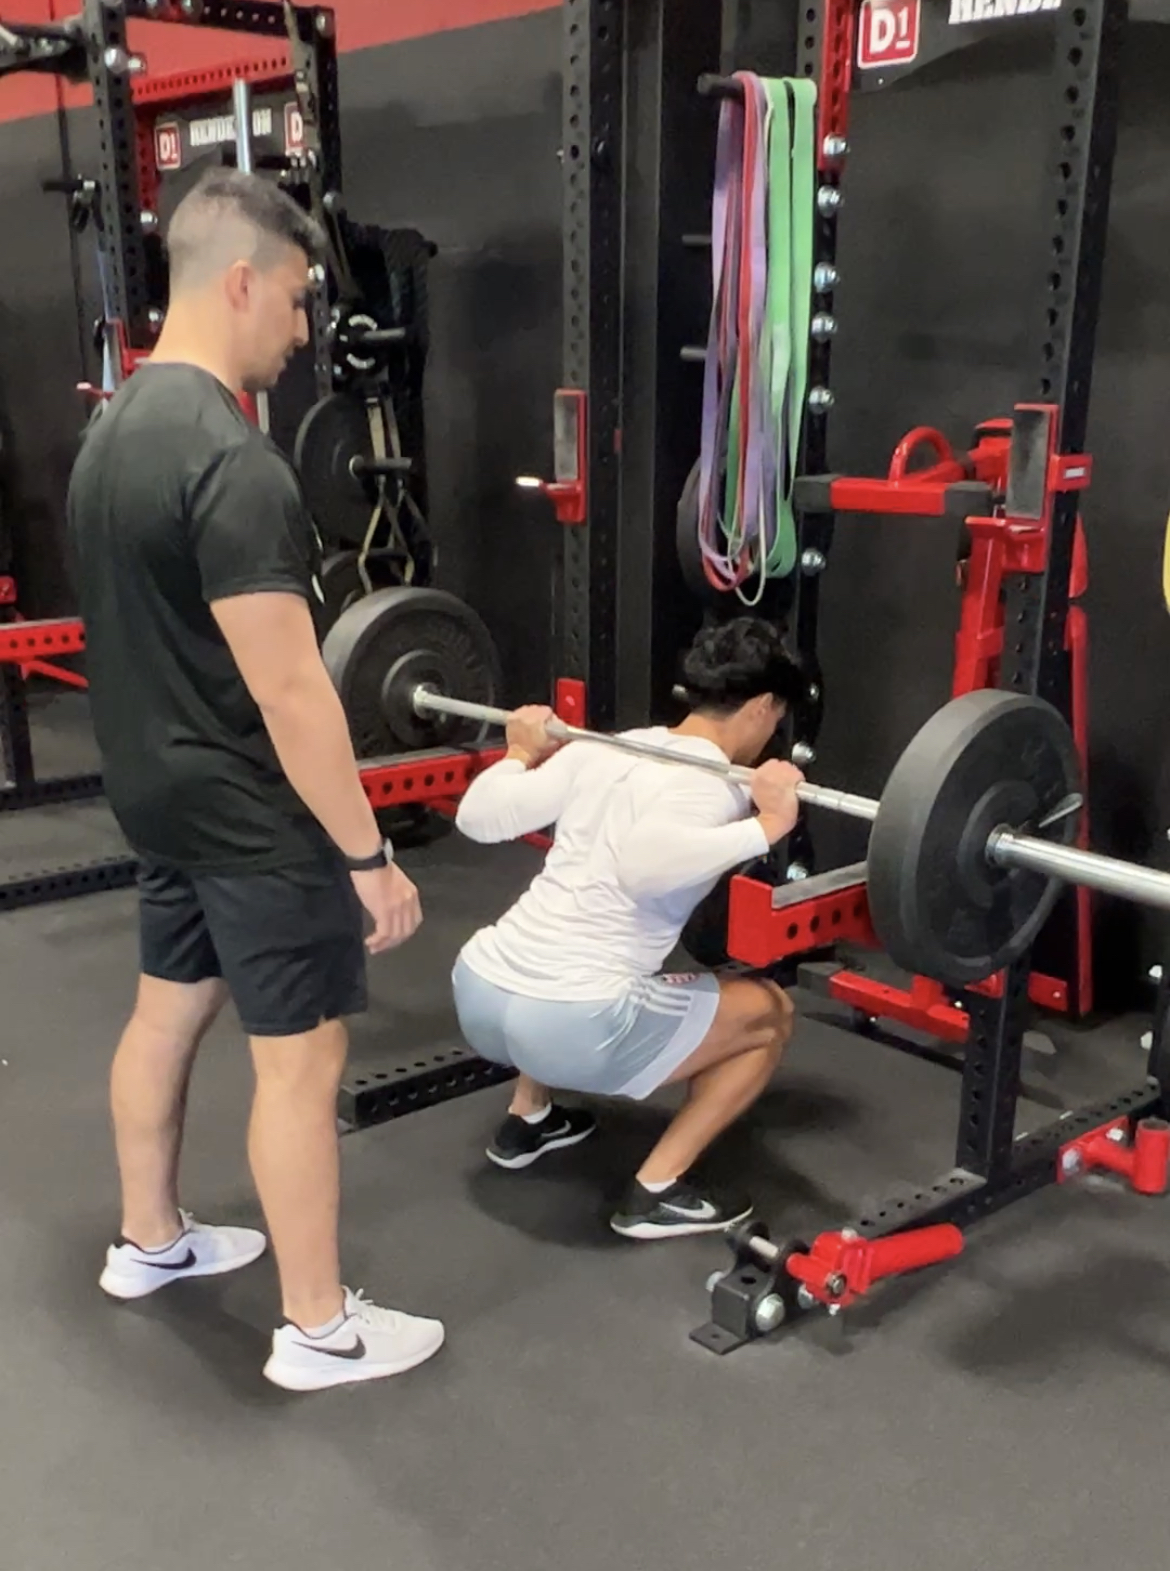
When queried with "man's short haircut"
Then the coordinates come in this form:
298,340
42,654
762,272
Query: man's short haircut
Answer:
229,217
731,662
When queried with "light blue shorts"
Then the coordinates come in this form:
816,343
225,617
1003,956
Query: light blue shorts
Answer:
614,1047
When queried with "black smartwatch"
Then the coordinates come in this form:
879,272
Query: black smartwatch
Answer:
382,857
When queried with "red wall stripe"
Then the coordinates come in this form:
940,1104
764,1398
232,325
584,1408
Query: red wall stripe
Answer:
361,24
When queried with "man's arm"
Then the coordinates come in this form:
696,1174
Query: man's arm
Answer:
272,639
252,539
510,799
685,840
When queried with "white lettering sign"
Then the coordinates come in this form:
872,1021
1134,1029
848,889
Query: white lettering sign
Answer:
222,128
964,11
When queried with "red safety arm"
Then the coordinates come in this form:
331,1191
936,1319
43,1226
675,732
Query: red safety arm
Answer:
840,1267
25,641
1144,1161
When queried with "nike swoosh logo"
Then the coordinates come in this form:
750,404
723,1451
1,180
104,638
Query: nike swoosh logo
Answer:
555,1134
358,1350
705,1212
184,1264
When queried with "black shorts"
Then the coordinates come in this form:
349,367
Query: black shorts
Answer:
289,943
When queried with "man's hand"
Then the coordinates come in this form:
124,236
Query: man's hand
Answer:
392,900
527,734
774,793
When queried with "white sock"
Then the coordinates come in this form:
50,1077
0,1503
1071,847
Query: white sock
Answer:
326,1330
659,1188
537,1118
161,1249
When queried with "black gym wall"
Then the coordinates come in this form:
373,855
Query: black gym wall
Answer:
457,135
454,132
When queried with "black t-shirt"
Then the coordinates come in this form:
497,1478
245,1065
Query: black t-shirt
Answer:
177,500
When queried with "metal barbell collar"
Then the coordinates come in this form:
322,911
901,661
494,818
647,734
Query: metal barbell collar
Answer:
1006,847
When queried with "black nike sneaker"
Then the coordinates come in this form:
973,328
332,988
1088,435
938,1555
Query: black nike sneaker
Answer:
674,1213
518,1144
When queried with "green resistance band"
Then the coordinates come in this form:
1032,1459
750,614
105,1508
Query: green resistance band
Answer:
790,164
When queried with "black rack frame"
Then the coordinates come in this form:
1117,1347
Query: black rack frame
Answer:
584,604
994,1167
656,198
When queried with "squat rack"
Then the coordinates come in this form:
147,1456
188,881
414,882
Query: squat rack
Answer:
638,153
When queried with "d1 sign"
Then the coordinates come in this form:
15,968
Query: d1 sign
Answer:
888,32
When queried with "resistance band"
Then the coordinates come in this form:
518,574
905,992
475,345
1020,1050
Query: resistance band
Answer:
756,373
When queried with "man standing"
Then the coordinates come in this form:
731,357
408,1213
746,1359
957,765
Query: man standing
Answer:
228,764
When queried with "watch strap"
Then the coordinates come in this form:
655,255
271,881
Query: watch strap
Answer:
382,857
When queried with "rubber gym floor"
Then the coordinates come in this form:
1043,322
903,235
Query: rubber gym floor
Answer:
1001,1412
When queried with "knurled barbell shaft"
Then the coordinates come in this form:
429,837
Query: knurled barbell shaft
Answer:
426,701
1110,875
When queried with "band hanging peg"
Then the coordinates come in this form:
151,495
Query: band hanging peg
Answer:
567,490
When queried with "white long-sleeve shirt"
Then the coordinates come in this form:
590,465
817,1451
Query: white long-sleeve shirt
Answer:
637,845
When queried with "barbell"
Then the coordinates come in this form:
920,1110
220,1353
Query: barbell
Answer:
969,843
424,700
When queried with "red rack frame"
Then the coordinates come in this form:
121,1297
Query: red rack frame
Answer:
762,930
152,96
436,779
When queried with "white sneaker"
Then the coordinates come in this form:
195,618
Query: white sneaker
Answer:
369,1344
198,1251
